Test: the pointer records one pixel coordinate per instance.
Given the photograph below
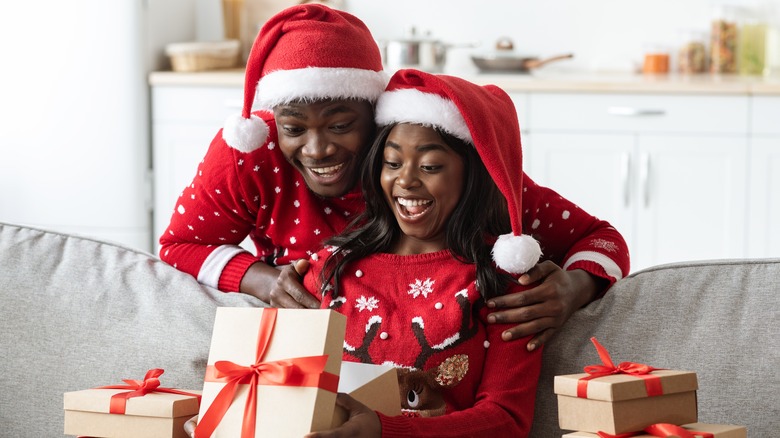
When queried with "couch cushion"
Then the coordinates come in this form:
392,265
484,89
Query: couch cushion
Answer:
79,313
717,318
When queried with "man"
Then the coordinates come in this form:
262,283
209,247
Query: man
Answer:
287,177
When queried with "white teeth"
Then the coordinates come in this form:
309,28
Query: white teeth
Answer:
326,170
413,202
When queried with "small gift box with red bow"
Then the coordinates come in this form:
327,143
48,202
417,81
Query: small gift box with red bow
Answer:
624,398
271,372
693,430
137,409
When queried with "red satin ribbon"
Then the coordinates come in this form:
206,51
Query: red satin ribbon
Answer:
662,430
652,383
301,371
140,388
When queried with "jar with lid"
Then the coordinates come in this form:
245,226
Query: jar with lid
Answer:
751,48
692,52
723,40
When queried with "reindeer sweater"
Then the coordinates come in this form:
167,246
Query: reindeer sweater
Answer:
259,194
417,311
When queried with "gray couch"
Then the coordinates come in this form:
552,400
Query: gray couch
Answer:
77,313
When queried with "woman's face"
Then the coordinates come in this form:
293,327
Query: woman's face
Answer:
422,179
323,141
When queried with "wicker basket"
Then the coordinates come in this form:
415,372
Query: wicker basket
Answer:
201,56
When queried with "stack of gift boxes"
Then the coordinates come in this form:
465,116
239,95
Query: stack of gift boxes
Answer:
633,400
270,373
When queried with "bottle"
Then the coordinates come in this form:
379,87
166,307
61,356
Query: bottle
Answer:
656,60
723,40
772,57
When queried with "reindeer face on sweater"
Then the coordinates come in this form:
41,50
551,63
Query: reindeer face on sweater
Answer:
421,391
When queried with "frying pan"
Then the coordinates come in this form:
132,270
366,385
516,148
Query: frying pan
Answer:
510,62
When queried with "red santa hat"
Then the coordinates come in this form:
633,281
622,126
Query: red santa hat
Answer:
305,53
483,116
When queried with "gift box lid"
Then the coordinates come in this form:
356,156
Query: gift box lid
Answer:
717,431
155,404
617,387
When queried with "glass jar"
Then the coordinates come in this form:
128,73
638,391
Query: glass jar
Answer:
751,48
723,40
692,52
656,59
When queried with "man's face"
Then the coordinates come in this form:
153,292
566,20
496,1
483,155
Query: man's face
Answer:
323,140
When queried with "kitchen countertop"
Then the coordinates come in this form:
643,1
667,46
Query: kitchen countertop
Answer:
544,82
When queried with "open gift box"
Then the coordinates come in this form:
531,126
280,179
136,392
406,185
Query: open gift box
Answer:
624,398
135,410
696,430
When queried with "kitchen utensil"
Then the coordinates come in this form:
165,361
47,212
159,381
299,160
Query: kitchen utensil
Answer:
509,62
505,59
422,53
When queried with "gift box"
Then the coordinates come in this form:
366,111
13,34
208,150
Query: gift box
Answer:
624,398
696,430
135,410
376,386
271,372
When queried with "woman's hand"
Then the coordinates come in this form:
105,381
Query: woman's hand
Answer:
281,288
544,308
362,422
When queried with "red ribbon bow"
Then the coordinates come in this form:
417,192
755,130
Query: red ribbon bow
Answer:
662,430
652,383
302,371
140,388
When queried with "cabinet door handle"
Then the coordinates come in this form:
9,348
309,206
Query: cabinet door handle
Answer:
625,177
644,176
627,111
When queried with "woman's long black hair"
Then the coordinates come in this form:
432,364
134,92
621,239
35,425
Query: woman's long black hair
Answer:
480,216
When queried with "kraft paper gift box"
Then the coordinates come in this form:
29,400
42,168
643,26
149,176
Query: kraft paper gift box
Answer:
109,412
624,398
376,386
697,430
281,365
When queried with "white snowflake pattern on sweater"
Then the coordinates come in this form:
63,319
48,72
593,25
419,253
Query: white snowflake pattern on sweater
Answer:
421,287
363,303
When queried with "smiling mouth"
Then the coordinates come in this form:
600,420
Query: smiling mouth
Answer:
413,208
326,171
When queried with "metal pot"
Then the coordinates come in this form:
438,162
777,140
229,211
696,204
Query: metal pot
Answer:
421,53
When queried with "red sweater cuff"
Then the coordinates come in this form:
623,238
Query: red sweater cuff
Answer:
230,279
595,270
394,426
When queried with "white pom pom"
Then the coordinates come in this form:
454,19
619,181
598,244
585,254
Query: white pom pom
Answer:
516,254
243,134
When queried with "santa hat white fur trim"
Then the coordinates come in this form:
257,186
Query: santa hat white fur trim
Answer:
243,134
315,83
408,105
516,254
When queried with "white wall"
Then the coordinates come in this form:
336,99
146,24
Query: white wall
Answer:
603,34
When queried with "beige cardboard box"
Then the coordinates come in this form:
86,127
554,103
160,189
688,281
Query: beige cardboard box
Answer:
717,431
282,410
376,386
619,403
153,415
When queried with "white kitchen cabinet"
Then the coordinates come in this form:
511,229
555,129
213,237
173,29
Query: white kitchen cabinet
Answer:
764,189
668,171
184,121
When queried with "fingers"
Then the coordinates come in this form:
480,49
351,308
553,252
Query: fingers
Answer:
541,339
289,293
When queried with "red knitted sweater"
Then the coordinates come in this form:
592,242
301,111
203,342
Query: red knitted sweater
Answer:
415,312
259,194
